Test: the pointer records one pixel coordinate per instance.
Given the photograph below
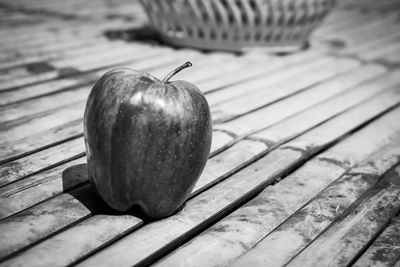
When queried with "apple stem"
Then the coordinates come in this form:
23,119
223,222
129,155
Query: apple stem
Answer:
175,71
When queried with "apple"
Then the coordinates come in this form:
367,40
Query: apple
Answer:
147,141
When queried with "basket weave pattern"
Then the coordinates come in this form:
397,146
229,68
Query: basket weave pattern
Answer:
236,24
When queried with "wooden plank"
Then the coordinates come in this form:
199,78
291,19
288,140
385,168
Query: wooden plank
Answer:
108,60
24,127
43,35
385,249
372,92
267,82
288,107
284,242
149,243
217,168
43,104
256,70
39,141
204,67
10,58
234,235
345,238
65,243
375,51
22,194
340,20
25,228
45,159
227,110
94,48
366,34
391,59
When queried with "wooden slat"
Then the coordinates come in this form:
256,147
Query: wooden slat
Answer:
217,168
235,234
252,71
345,238
278,111
385,249
39,141
104,60
366,34
79,51
203,68
207,207
267,82
375,93
24,127
27,192
227,110
397,264
18,169
283,243
25,228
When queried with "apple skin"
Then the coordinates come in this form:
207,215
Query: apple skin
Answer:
147,141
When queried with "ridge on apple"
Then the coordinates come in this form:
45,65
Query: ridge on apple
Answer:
147,140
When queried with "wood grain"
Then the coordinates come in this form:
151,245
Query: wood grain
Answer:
385,249
29,165
283,243
224,111
39,141
31,225
272,114
345,238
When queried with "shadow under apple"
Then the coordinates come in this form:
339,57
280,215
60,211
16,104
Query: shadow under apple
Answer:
75,183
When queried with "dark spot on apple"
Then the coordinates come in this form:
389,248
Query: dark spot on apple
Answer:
39,67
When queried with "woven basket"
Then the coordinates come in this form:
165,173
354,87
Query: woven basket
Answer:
237,25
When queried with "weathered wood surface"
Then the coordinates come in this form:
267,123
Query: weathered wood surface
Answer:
385,249
299,230
346,237
305,158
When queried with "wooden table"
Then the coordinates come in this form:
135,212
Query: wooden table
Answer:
304,169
